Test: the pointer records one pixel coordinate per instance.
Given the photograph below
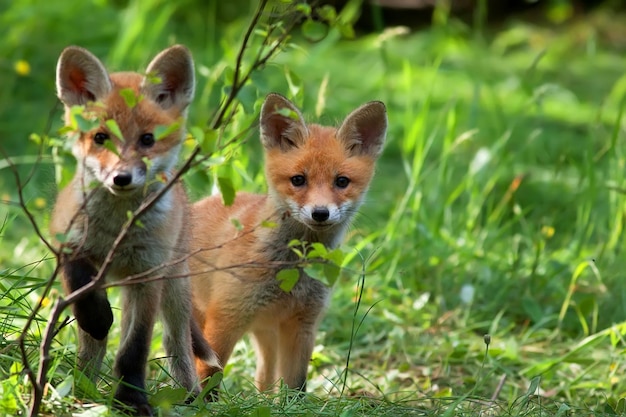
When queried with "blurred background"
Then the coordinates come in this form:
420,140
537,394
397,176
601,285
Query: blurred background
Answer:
497,207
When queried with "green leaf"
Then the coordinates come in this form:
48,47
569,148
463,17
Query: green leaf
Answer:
295,89
564,410
314,30
269,224
229,78
148,162
112,125
316,271
346,30
331,272
168,396
130,98
61,237
609,410
207,139
534,385
161,131
35,138
65,387
288,278
210,384
66,129
336,256
294,242
237,224
318,250
79,122
304,8
197,133
153,78
285,112
327,12
225,184
108,144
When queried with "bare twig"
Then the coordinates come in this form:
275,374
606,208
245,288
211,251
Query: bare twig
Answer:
31,218
217,120
261,58
21,199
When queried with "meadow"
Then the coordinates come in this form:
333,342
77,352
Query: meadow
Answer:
484,270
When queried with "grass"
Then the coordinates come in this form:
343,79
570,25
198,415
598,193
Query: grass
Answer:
497,209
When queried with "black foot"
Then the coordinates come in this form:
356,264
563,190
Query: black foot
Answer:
133,402
94,315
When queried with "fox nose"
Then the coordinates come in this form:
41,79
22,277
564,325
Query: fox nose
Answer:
320,214
122,178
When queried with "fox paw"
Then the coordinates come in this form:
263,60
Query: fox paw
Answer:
133,402
94,315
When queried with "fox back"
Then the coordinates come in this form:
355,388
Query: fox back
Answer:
128,129
317,177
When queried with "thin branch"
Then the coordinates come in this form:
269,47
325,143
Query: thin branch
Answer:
31,218
22,201
260,60
217,120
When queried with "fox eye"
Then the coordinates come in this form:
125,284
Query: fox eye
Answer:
100,138
342,182
147,139
298,180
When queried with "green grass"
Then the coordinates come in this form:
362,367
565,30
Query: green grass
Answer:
497,208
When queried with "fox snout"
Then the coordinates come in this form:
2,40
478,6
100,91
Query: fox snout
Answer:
320,214
320,217
126,179
123,178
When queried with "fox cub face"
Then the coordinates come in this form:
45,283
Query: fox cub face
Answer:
320,174
135,121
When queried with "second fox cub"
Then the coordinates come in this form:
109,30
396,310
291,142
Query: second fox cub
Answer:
118,168
317,177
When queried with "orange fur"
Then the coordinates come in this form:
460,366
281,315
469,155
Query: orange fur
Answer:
234,282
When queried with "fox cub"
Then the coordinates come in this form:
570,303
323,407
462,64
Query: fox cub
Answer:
114,176
317,177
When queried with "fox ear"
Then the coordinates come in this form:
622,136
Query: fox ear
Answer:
282,124
364,130
81,77
170,81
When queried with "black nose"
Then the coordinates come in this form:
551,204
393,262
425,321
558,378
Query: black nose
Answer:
122,178
320,214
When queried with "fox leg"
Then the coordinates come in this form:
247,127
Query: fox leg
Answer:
266,346
221,338
93,314
139,311
92,310
296,342
176,312
90,354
